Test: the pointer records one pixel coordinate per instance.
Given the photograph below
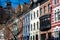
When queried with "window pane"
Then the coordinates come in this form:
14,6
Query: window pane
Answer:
37,13
34,26
44,9
48,7
56,34
34,14
59,35
55,2
37,25
33,37
36,37
49,36
43,36
58,16
31,16
31,27
40,11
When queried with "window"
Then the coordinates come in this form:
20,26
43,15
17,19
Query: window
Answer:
31,16
44,9
43,36
31,27
34,14
55,2
57,16
48,7
15,29
36,37
37,25
37,13
49,36
26,19
15,26
56,35
33,37
34,26
40,11
28,28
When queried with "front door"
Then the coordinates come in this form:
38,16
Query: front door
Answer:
43,36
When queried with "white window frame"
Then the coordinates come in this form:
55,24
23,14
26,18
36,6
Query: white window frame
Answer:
56,2
56,16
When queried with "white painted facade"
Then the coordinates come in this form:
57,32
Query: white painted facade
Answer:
34,19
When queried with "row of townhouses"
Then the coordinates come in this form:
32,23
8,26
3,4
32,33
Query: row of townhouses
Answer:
41,22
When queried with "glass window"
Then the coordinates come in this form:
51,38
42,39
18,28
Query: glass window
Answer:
49,36
28,28
37,25
34,26
37,13
31,16
57,16
33,37
56,35
40,11
34,14
36,37
48,7
31,27
15,26
26,19
44,9
55,2
43,36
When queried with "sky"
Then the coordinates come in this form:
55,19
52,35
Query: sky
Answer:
14,2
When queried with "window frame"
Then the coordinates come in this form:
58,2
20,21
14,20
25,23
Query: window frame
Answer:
40,11
37,13
34,14
44,9
37,25
48,7
34,26
31,16
31,27
55,2
56,16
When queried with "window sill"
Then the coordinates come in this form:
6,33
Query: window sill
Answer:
57,21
